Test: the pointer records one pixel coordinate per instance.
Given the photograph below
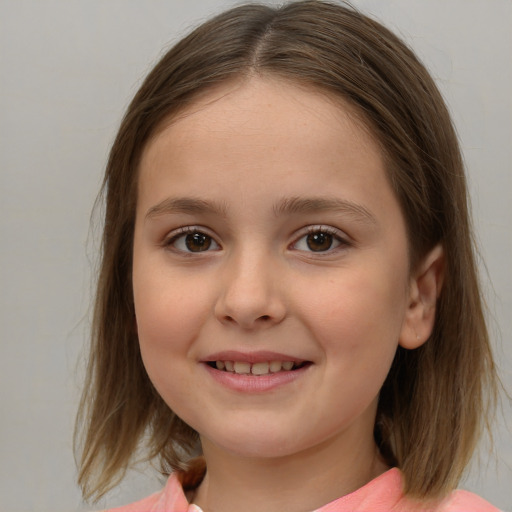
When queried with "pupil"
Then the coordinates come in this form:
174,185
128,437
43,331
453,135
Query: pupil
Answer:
319,241
198,242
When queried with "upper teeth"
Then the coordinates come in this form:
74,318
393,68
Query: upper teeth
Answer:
244,368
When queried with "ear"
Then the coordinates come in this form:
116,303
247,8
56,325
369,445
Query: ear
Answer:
424,289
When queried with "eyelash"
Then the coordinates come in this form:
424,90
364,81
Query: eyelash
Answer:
341,241
182,233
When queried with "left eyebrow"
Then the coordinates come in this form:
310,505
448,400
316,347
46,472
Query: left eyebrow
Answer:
323,204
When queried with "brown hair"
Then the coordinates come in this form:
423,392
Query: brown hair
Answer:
437,397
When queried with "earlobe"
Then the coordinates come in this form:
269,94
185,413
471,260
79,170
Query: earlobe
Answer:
424,289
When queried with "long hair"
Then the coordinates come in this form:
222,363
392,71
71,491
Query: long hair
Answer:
436,398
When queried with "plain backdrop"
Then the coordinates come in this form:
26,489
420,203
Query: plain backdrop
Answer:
67,71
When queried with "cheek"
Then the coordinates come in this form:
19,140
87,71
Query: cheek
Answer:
168,322
357,320
169,312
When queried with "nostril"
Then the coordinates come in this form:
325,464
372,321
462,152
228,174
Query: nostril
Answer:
265,317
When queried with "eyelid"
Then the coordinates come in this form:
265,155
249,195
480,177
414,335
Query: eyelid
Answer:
343,239
177,233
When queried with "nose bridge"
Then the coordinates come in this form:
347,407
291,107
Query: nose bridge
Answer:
251,295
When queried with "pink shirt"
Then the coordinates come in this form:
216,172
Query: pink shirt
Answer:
383,494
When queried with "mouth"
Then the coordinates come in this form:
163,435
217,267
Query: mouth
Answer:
257,369
255,372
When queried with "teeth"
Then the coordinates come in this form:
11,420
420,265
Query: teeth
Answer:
259,368
275,366
244,368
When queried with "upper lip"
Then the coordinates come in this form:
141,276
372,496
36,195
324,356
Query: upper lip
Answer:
259,356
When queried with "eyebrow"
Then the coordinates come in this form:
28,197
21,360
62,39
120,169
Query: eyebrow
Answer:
321,204
190,205
286,206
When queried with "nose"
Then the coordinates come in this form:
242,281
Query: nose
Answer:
252,293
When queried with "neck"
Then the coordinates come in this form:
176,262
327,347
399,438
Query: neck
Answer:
301,482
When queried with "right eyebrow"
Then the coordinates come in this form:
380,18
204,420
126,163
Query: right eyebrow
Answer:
187,205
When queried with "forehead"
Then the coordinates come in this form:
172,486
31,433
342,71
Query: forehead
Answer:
269,113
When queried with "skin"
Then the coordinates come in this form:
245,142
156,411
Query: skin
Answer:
245,157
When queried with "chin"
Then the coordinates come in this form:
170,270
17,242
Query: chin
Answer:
264,443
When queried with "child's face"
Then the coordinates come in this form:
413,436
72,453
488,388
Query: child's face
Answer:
267,232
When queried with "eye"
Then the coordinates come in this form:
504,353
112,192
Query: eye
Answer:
191,240
319,239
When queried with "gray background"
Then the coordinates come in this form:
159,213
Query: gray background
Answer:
67,71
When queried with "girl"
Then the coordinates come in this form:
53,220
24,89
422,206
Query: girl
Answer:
288,314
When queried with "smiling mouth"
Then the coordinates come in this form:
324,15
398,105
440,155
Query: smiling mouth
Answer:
263,368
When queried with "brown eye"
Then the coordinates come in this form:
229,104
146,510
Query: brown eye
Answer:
198,242
192,241
319,241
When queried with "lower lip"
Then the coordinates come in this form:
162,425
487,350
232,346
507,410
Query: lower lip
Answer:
255,383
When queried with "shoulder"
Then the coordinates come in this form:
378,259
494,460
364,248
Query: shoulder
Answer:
465,501
170,499
457,501
147,504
